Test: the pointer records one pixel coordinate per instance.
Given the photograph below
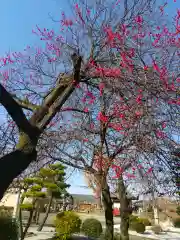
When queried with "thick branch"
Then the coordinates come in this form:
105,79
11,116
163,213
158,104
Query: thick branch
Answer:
12,165
57,97
15,111
25,104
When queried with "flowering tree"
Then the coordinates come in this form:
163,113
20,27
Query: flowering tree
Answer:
96,145
116,68
142,83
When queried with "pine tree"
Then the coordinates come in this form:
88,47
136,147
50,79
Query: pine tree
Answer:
32,189
53,178
49,182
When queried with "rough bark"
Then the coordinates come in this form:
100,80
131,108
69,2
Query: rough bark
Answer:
99,202
11,165
16,112
124,210
107,203
46,214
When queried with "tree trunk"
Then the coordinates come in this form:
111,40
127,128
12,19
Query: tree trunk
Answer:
124,210
20,224
46,214
34,216
13,164
36,213
99,202
27,225
107,203
17,161
20,216
64,204
37,217
71,203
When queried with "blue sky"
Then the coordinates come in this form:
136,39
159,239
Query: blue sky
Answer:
18,18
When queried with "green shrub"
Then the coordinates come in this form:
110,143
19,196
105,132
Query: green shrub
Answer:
145,221
156,229
176,222
133,218
26,206
178,210
67,223
139,227
8,228
92,227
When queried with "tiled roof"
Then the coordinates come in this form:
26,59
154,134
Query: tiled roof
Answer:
84,198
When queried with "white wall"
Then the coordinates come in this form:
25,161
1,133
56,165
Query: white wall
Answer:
9,200
116,205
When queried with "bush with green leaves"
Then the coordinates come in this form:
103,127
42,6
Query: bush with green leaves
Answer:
8,228
91,227
133,218
67,223
139,227
26,206
145,221
176,222
156,229
178,210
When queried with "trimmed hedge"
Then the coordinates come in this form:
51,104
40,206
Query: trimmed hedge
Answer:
178,210
67,223
139,227
133,218
176,222
145,221
91,227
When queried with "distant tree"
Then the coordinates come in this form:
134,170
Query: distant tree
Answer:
32,189
54,183
49,182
